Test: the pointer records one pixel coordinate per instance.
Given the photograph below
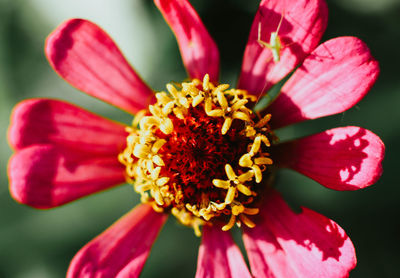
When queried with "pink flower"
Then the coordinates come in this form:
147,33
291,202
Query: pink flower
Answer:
64,152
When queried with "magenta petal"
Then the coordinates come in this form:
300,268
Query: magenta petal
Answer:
199,51
85,56
303,24
45,176
219,256
45,121
285,244
122,249
346,158
332,79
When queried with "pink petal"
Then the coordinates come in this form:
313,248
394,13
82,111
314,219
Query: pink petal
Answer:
303,24
219,256
122,249
332,79
46,176
45,121
346,158
86,57
199,51
286,244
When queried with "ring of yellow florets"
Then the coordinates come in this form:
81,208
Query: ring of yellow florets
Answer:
199,152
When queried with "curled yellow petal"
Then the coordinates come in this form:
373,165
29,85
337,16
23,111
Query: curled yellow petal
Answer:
167,109
246,176
245,160
208,105
263,161
206,84
257,173
229,172
158,198
243,189
216,113
172,90
251,211
230,195
263,121
265,140
167,126
221,183
239,104
141,151
241,116
162,181
197,100
247,221
148,122
230,224
157,145
222,100
155,173
227,124
256,145
163,98
158,160
237,209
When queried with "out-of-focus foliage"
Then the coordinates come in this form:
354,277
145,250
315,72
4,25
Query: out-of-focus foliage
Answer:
40,243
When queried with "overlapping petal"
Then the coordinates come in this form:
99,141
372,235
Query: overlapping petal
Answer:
303,23
46,121
122,249
85,56
285,244
332,79
199,51
219,256
346,158
46,176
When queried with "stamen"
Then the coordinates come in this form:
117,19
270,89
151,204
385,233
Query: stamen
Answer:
206,83
230,224
199,153
247,221
234,184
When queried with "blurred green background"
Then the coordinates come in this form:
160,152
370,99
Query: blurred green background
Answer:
37,243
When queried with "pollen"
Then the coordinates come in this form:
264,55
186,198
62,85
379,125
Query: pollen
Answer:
200,153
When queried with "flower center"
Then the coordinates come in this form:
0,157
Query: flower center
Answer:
200,153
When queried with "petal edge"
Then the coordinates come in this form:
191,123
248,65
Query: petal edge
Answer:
199,51
86,57
122,249
47,121
219,256
346,158
285,244
46,176
332,79
303,24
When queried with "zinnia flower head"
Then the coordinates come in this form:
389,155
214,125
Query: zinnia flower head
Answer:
198,150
